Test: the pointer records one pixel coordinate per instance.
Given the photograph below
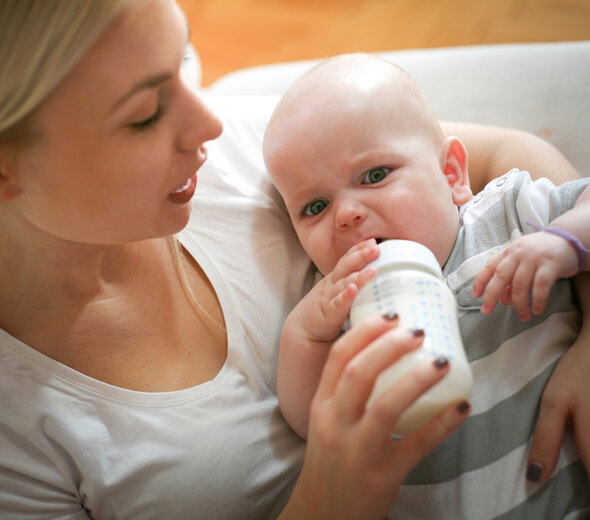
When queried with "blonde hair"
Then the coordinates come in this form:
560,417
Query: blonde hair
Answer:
40,42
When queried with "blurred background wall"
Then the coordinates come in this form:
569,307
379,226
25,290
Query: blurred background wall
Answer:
231,34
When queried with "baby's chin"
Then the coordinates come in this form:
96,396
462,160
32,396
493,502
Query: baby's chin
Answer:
321,266
325,270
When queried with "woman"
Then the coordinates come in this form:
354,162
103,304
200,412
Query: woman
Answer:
137,370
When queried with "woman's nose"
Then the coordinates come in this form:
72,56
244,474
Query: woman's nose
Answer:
350,213
200,123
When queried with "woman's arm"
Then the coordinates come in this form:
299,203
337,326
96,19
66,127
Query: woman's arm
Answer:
566,400
494,150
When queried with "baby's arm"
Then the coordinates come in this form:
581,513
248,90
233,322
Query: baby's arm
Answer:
532,263
311,328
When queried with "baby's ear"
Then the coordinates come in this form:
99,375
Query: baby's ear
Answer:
453,157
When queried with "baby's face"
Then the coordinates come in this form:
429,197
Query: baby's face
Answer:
351,169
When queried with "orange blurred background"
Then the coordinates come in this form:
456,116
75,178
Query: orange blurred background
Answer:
231,34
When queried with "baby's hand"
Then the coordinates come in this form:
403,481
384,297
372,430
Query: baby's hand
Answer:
530,263
328,303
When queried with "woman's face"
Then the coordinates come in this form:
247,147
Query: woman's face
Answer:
120,139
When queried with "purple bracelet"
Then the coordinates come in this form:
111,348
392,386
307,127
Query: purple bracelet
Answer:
570,238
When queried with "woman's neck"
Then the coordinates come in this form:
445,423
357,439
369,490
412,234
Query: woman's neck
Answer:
46,282
65,273
119,314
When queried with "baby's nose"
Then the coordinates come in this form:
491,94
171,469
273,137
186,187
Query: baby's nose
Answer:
350,213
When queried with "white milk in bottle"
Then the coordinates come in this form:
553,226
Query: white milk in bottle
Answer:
409,282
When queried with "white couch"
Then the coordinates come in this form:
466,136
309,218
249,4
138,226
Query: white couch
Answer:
542,87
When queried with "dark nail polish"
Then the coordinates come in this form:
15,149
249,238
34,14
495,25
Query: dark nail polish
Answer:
534,472
417,332
391,315
463,407
441,362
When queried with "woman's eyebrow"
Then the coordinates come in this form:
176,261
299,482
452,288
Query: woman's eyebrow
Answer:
152,81
188,29
146,83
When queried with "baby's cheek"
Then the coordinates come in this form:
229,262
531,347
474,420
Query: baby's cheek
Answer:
325,259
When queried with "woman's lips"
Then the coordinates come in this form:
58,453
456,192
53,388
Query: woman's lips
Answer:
184,192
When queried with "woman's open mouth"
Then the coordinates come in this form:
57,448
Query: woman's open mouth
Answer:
183,193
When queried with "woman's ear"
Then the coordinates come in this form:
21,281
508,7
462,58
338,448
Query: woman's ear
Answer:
454,166
9,189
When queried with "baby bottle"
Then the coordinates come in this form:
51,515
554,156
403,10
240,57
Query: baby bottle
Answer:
409,282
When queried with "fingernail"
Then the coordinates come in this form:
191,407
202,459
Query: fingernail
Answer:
534,472
463,407
417,332
441,362
391,315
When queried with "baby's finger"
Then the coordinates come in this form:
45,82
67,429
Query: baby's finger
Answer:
340,291
360,278
521,285
338,307
486,273
496,286
506,297
347,346
355,259
345,290
542,284
358,377
481,280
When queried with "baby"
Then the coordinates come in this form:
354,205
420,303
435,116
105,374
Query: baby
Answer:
358,156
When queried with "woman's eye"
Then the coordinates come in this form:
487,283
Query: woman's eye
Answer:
375,175
150,121
315,208
187,56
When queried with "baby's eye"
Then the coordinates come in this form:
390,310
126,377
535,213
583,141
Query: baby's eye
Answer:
375,175
314,208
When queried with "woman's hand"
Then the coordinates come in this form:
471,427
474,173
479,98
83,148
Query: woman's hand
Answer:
566,399
353,468
565,403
